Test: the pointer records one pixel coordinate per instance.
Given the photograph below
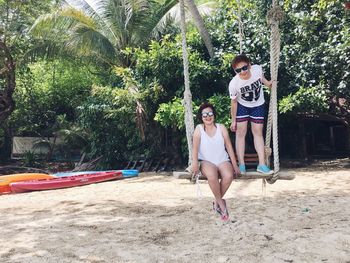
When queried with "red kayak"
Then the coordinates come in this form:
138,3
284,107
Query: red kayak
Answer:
64,182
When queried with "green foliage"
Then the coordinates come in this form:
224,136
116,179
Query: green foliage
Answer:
224,30
172,114
75,138
162,63
109,116
313,70
48,89
72,140
306,100
101,33
222,104
30,159
16,16
316,47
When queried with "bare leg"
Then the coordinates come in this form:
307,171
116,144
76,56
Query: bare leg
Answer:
210,171
226,172
257,130
240,140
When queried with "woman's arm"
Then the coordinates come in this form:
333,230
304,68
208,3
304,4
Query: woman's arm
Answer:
229,148
195,149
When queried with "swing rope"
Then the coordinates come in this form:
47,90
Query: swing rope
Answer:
275,17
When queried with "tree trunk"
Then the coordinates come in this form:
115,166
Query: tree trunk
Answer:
7,103
189,124
6,147
240,26
198,21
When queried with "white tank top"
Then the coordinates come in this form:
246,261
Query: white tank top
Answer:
212,149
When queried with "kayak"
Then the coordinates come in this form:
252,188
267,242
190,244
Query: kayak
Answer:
64,182
125,173
130,173
5,180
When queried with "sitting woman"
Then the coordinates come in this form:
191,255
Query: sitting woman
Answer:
213,149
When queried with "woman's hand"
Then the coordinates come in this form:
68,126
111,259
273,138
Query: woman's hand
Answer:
195,167
236,169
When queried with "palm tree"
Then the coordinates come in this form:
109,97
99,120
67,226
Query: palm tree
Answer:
198,21
196,11
189,123
101,29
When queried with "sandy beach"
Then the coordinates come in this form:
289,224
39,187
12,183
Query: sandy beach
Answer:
157,218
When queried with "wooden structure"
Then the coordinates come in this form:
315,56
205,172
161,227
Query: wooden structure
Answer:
250,160
144,164
308,136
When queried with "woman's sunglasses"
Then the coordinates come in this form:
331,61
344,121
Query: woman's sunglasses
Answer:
206,114
244,68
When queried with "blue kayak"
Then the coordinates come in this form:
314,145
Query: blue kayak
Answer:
130,173
125,173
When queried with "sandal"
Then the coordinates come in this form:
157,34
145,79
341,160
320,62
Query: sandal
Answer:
224,214
216,208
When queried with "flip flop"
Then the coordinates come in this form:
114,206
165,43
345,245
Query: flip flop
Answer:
216,208
224,214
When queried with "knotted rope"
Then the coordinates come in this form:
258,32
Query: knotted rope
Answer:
275,16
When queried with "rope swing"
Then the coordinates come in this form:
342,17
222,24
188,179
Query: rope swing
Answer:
274,17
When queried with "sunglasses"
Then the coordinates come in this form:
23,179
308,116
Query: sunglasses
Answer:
244,68
207,114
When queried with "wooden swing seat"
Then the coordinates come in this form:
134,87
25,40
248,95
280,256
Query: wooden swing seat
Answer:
251,160
250,175
282,175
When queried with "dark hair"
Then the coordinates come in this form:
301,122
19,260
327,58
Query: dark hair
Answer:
240,58
202,107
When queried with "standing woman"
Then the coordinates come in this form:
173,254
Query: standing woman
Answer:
213,149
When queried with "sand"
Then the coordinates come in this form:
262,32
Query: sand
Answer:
157,218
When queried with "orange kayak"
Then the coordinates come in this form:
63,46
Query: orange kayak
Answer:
5,180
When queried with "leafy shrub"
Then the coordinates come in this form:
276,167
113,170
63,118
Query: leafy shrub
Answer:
312,100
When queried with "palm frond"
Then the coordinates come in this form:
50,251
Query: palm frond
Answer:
103,28
86,42
172,17
135,7
96,10
208,8
79,35
157,13
44,49
74,137
60,23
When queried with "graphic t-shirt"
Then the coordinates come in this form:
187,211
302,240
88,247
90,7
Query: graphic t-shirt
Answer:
248,93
